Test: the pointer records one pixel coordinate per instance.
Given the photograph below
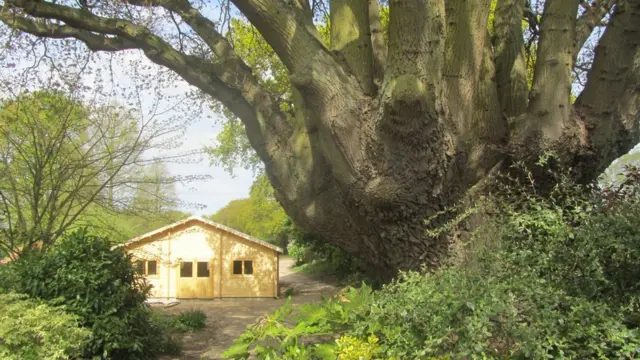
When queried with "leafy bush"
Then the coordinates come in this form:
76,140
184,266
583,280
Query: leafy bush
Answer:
554,276
297,252
289,292
97,284
352,348
185,321
192,320
30,329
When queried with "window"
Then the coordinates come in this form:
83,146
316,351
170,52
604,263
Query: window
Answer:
248,267
144,267
186,269
203,269
242,267
152,267
139,267
237,267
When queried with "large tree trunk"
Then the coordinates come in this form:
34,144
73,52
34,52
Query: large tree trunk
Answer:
388,135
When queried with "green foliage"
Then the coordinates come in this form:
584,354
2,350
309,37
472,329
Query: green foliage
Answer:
31,329
65,164
298,252
298,333
555,275
123,226
233,149
260,215
192,320
615,173
289,292
97,284
352,348
317,258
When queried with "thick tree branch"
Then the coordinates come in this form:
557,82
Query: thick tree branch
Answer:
464,54
93,42
471,93
351,37
550,105
511,67
378,43
589,20
319,76
268,129
413,85
416,39
236,73
610,102
291,35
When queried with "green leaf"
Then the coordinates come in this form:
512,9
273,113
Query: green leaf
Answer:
325,351
237,351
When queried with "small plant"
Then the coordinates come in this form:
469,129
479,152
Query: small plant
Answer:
352,348
30,329
192,320
289,292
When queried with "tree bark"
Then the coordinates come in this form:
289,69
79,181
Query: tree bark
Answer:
511,67
351,37
382,140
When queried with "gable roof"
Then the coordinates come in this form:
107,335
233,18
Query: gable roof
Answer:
203,221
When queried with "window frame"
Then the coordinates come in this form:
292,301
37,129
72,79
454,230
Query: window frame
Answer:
145,267
180,270
197,272
136,267
243,267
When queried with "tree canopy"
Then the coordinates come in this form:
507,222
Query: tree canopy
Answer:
259,215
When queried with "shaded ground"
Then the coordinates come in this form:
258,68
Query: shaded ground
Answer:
227,319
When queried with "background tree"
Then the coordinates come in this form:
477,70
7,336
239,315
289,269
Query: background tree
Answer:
62,162
156,192
259,215
379,135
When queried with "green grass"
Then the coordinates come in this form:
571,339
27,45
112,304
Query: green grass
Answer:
186,321
314,269
323,271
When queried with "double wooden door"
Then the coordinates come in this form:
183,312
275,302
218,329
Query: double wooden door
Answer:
195,279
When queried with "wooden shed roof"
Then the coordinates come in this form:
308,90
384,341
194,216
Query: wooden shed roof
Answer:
203,221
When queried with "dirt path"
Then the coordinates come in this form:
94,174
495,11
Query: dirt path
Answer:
227,319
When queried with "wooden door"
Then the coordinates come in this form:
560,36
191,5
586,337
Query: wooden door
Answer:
195,279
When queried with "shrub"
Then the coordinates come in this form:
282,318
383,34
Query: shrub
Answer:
289,292
297,251
185,321
97,284
553,276
30,329
192,320
352,348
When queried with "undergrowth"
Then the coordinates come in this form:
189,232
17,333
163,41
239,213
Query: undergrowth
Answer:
551,276
186,321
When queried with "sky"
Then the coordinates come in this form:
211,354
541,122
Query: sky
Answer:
213,193
221,188
203,125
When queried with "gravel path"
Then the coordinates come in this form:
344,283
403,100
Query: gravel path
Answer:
227,319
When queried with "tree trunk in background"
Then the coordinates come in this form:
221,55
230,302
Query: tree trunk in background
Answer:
386,135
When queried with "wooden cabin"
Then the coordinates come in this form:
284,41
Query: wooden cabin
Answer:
196,258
